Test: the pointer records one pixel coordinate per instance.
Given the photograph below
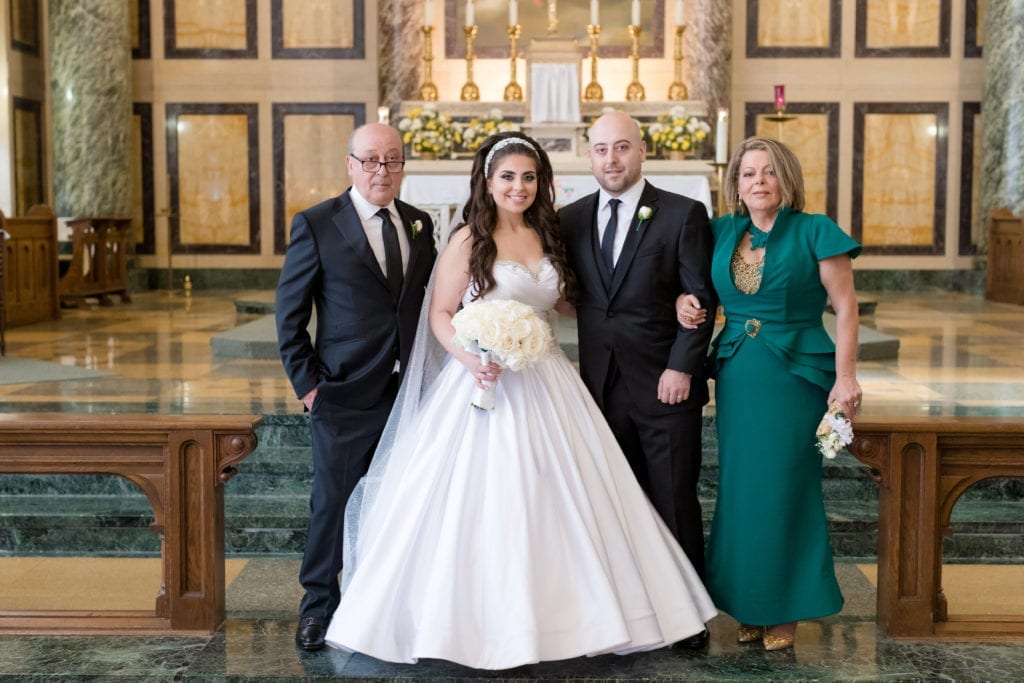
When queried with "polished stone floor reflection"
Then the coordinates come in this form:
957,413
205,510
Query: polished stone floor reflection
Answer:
959,354
256,643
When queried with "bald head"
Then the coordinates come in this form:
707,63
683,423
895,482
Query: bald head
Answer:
375,142
617,151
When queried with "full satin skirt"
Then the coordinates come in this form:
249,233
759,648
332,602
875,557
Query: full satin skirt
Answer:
517,535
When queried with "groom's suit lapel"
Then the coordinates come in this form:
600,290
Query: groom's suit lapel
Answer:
637,230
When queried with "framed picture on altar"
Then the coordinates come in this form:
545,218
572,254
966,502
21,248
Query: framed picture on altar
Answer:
779,28
891,28
492,16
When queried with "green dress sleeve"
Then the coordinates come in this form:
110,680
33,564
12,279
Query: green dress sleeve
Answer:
830,240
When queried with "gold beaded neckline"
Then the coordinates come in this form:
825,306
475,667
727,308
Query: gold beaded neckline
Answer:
746,276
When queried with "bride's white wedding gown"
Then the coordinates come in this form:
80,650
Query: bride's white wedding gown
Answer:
519,534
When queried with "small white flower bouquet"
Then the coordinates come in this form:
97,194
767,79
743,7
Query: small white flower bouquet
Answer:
834,432
505,331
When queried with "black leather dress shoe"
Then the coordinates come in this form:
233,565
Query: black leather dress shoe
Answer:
310,633
695,642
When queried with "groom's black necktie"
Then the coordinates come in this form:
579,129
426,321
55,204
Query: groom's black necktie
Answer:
608,239
392,252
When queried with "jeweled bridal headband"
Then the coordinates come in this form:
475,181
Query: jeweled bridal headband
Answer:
502,144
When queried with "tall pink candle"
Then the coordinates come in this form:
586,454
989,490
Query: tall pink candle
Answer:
780,97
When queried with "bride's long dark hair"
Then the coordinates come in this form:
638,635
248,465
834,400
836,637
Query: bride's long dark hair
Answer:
481,214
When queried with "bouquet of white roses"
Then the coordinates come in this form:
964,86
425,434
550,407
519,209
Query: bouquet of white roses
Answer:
834,432
505,331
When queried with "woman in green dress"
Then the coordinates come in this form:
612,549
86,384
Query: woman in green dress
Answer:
769,558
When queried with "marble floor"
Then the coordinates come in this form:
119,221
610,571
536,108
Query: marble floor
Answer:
958,355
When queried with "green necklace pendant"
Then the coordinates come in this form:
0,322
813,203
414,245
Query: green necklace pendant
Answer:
758,237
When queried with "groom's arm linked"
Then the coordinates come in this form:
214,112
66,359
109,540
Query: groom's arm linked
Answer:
695,246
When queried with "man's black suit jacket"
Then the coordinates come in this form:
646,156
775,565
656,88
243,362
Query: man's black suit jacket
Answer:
361,329
630,314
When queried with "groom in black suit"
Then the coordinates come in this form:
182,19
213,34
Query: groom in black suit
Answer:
362,261
634,249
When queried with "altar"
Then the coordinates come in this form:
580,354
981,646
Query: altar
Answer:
442,187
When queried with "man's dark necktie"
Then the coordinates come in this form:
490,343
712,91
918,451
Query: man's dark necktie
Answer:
392,252
608,239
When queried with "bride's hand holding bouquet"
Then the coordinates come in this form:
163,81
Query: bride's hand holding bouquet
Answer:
502,331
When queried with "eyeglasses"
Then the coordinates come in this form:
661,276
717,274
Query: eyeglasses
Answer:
373,166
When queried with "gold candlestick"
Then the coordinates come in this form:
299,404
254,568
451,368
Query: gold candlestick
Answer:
593,92
428,91
469,89
677,91
513,91
635,90
780,117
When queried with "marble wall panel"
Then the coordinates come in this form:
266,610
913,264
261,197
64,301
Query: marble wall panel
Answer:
972,225
310,142
491,17
25,26
813,135
899,179
317,29
902,28
780,28
139,28
212,159
211,29
143,215
974,28
28,154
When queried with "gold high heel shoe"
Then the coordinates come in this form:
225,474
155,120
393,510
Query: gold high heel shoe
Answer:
778,641
749,634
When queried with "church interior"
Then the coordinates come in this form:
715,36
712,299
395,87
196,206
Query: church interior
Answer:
152,153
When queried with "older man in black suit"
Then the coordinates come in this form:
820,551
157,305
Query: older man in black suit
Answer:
634,249
362,261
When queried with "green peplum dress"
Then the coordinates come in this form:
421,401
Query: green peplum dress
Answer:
769,557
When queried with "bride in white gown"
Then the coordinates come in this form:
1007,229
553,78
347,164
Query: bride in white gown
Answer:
507,537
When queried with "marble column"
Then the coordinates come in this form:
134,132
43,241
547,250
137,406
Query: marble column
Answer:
401,49
91,92
1002,110
708,51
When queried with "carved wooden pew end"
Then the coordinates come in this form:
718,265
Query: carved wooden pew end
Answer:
181,463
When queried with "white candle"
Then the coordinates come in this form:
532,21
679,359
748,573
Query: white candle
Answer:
428,12
384,114
679,12
469,12
595,15
513,12
635,20
722,137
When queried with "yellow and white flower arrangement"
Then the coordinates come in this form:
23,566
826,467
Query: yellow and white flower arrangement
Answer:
834,432
504,331
476,130
677,132
428,131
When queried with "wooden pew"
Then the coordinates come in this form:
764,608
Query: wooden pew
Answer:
1005,255
30,265
99,260
922,465
181,463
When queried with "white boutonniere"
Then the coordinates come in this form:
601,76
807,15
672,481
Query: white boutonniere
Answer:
417,228
643,214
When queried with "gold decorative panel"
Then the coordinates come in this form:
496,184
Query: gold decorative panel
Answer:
210,29
903,28
788,28
900,177
143,215
783,23
316,23
212,159
310,141
28,155
25,25
972,225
